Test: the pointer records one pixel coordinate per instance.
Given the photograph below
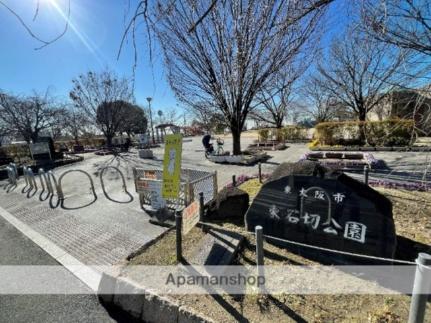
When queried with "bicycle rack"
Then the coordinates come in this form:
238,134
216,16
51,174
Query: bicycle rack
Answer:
29,178
11,175
123,180
60,190
24,173
301,210
15,170
50,175
42,177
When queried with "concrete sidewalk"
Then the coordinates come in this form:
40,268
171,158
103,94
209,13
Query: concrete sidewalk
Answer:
18,250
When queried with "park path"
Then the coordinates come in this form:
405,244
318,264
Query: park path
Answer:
101,233
104,231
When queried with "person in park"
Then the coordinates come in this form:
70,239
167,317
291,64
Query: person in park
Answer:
206,142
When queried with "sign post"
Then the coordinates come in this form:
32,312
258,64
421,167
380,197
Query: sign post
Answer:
171,181
179,237
172,166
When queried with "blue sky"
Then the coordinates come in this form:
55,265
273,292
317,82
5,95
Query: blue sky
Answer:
92,45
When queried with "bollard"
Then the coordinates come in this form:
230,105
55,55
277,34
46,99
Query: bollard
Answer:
201,206
260,172
366,174
421,288
259,245
233,181
259,251
179,238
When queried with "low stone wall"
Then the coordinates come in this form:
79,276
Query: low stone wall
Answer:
144,304
358,148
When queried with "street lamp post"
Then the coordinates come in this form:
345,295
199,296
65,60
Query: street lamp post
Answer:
151,119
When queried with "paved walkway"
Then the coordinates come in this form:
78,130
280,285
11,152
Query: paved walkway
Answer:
101,233
104,231
18,250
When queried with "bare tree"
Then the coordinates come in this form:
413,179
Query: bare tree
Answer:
111,117
206,118
404,23
235,51
76,123
28,28
169,116
103,97
319,103
274,101
359,71
28,116
4,132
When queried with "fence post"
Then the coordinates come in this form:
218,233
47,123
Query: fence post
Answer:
201,206
233,180
259,251
215,185
179,238
421,288
366,174
201,212
260,172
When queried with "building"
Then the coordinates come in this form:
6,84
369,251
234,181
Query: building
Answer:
406,104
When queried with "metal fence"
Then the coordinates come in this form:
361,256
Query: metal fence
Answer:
192,183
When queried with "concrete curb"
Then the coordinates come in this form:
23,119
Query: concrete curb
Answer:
144,304
84,273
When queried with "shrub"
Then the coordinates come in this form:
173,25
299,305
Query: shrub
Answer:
283,134
295,133
263,134
392,132
280,134
18,152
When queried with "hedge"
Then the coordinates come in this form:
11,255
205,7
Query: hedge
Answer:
387,133
283,134
295,133
18,152
86,142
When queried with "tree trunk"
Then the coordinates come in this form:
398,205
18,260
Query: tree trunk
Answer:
34,137
362,119
236,137
109,140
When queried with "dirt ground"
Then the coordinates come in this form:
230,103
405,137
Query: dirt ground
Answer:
412,215
163,253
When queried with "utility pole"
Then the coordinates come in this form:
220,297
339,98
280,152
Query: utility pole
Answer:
151,119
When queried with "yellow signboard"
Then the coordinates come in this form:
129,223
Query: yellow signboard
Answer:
172,166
